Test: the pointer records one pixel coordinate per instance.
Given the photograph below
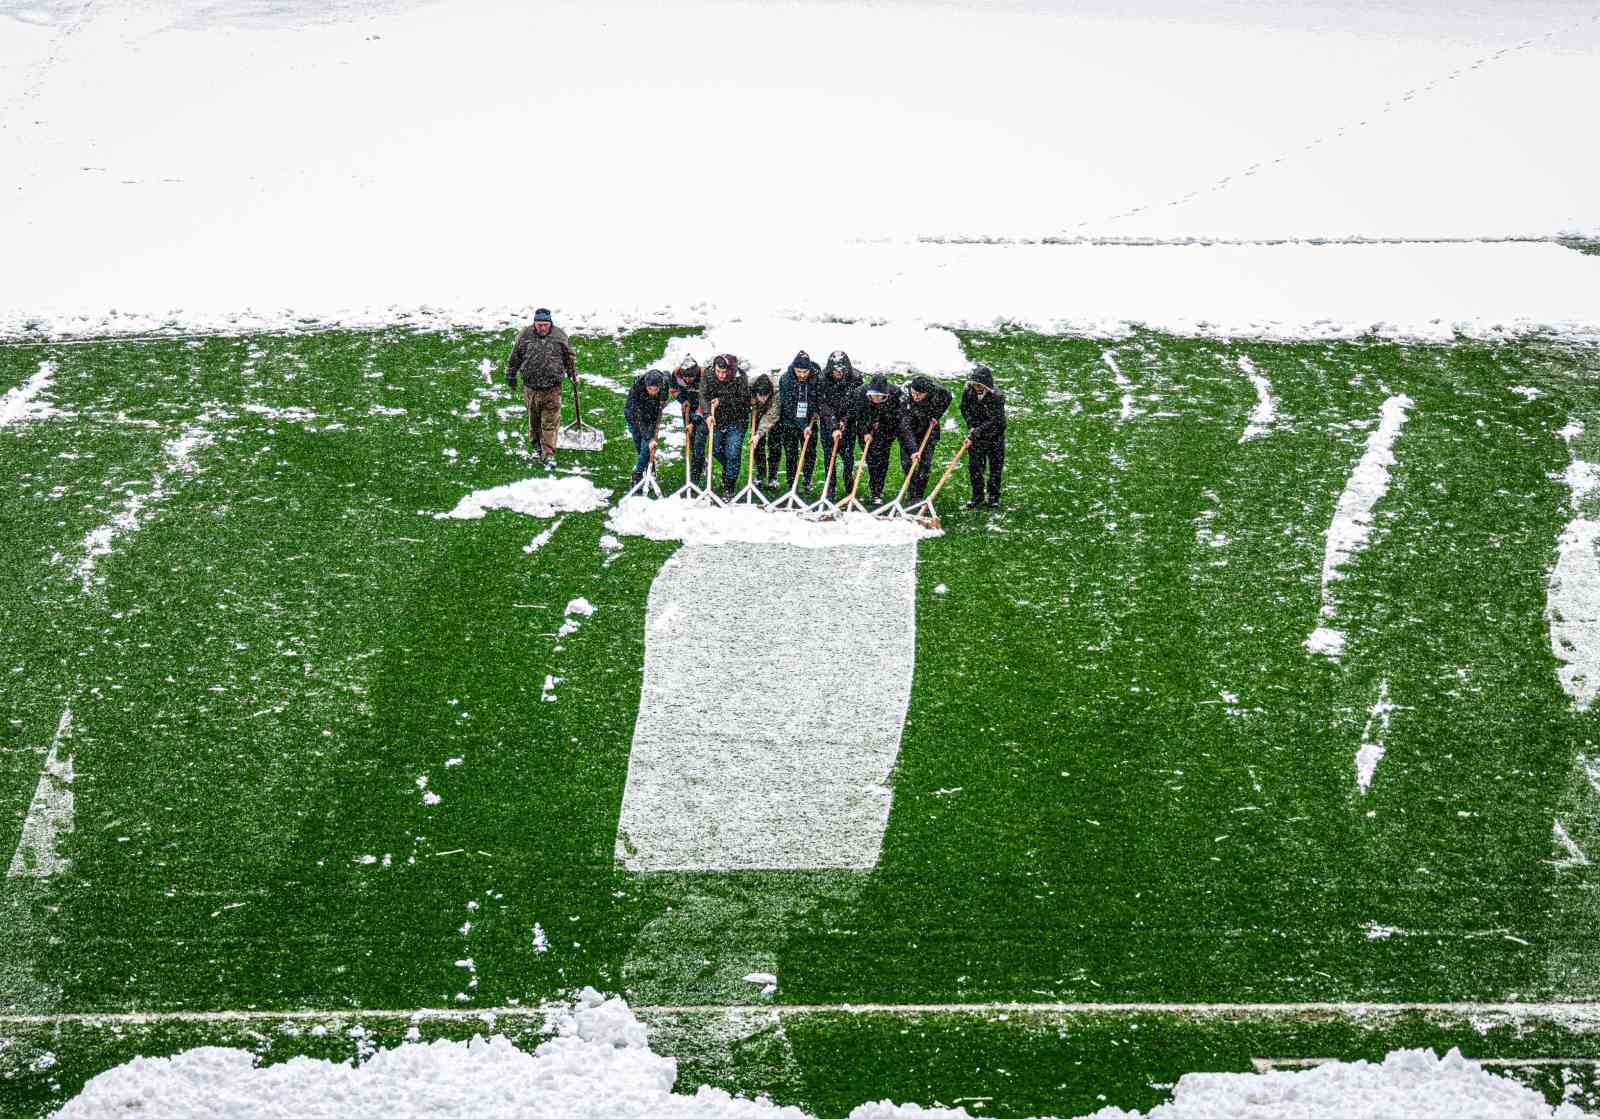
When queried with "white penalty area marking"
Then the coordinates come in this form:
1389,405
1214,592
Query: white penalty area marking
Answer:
1564,1011
22,403
1270,1064
1374,745
1122,382
1352,518
50,815
776,683
1572,591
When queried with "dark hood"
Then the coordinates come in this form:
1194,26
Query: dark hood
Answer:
762,384
839,361
923,384
879,383
981,376
654,378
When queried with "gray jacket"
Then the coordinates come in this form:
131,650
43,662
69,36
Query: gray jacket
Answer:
542,361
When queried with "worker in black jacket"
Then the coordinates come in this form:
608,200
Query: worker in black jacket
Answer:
839,383
799,395
642,412
768,447
684,386
983,407
726,391
876,411
926,402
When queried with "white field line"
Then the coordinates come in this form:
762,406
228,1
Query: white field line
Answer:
542,539
21,403
1266,409
1123,383
736,763
179,459
50,815
1352,517
1575,855
1566,1011
1268,1064
1572,591
1372,747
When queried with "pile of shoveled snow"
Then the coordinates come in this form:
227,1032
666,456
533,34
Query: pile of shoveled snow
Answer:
676,519
770,342
599,1063
537,497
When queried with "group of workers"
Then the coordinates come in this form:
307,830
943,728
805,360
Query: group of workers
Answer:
813,420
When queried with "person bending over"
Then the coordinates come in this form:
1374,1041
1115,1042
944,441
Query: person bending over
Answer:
725,399
984,408
839,383
642,411
926,402
799,392
768,448
877,412
685,388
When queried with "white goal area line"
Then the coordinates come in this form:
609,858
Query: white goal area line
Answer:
1573,1011
1270,1064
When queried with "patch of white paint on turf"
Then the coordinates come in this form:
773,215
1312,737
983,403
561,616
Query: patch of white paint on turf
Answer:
753,774
542,538
1266,409
1351,527
51,813
24,403
1122,382
535,497
1572,590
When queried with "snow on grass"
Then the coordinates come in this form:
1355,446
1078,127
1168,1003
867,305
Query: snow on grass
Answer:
1122,383
535,497
598,1062
1572,590
178,459
755,774
678,519
1373,745
50,814
770,343
24,403
1266,409
542,538
1351,527
1575,855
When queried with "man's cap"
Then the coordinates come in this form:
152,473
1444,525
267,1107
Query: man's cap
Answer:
542,315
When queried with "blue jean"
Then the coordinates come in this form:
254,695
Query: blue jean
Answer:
725,447
641,442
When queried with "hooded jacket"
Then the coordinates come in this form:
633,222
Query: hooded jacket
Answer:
766,416
884,420
986,415
685,383
641,409
793,392
541,360
839,382
731,396
931,409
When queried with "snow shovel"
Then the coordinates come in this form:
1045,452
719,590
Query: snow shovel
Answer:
923,511
894,510
823,509
688,491
708,495
792,499
647,486
852,501
751,494
577,435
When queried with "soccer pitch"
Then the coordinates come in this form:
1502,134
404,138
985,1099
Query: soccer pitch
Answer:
278,761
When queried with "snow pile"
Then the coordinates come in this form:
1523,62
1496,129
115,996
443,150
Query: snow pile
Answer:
599,1063
1266,409
677,519
23,403
770,344
1572,590
535,497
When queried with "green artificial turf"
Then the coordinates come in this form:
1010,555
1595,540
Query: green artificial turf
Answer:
261,672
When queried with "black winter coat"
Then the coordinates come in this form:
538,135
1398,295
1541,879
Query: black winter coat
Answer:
542,360
732,398
837,394
930,409
985,416
793,392
641,409
884,422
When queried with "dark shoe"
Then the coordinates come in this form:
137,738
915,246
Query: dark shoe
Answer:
638,476
549,464
994,502
877,499
727,491
975,503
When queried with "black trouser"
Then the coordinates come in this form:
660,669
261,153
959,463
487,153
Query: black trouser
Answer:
769,455
919,478
844,464
878,464
792,438
990,457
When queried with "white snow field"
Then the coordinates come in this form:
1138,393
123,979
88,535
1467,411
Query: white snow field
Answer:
700,163
734,768
599,1064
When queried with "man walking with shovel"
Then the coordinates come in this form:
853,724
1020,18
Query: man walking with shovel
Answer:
541,356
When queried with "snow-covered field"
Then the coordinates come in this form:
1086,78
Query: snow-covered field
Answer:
707,161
